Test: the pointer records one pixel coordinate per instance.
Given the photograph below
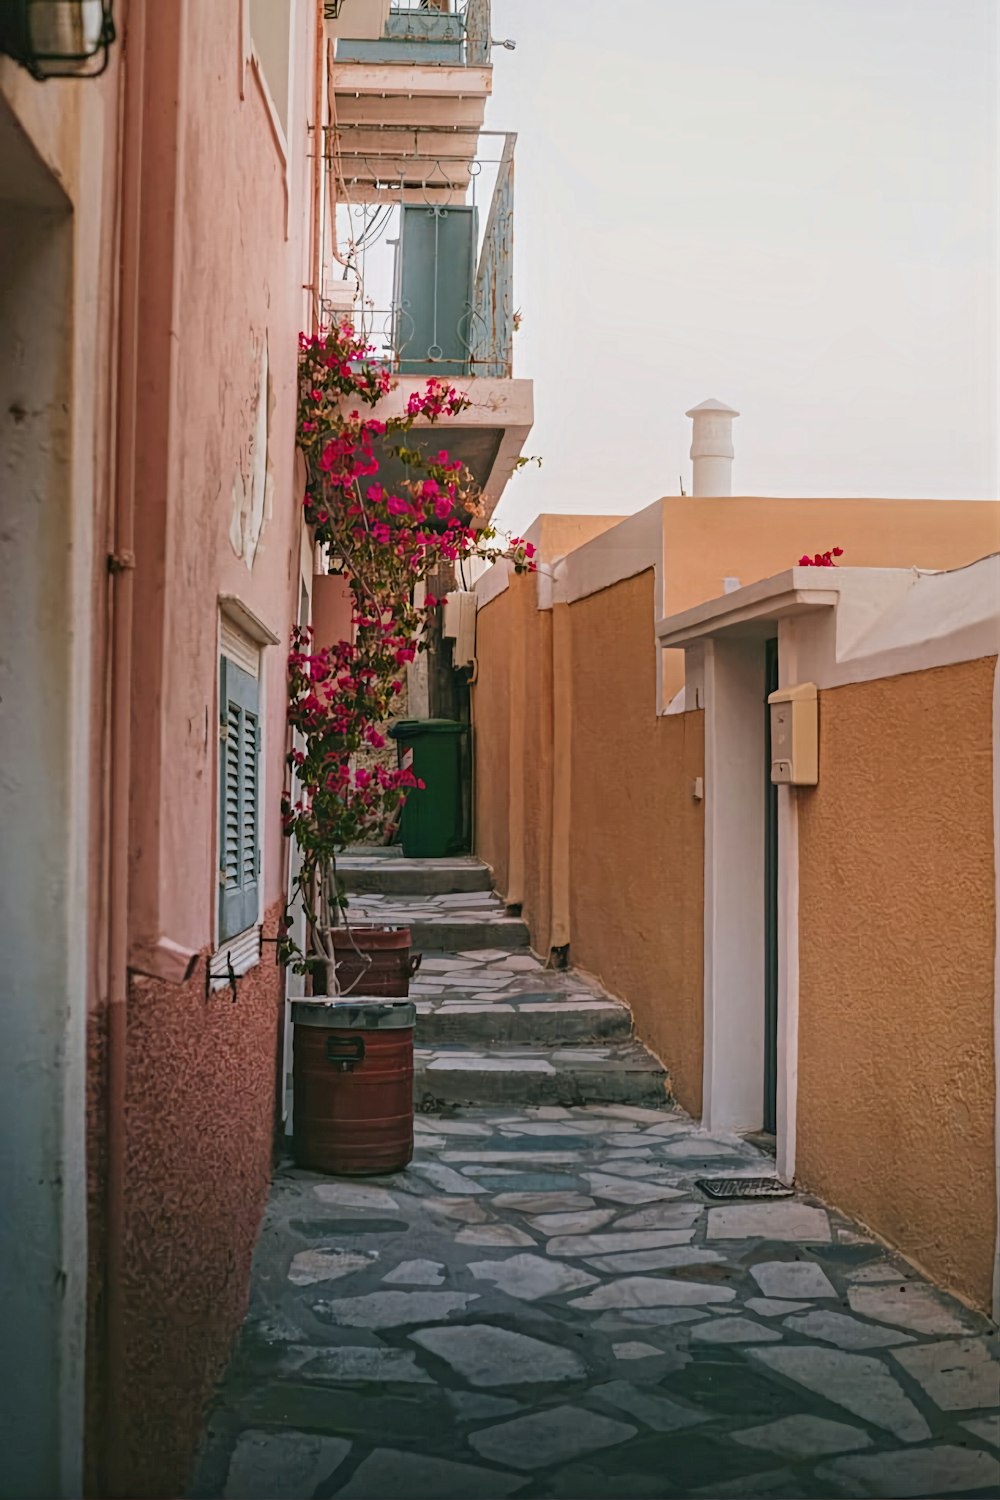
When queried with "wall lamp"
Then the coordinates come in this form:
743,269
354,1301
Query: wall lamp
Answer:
58,38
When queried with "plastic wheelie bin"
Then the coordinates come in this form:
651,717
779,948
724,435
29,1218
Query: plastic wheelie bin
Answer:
432,822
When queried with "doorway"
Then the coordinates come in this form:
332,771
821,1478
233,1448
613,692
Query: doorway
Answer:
770,1105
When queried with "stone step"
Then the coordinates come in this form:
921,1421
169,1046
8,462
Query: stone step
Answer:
541,1018
438,935
442,924
620,1073
388,874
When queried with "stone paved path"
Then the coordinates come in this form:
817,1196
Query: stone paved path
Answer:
544,1305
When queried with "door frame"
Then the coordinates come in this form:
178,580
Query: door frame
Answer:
771,880
727,673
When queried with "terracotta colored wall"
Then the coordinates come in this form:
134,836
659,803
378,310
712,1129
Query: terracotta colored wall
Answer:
201,1108
751,538
491,725
637,838
896,1052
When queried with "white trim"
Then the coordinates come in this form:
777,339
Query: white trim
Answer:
243,617
494,582
236,646
788,941
996,971
733,1078
236,618
867,622
630,548
242,951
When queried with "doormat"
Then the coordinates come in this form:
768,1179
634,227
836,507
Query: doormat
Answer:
722,1189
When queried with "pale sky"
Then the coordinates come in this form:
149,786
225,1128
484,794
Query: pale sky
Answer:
789,205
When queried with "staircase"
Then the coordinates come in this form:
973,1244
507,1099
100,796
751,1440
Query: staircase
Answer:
494,1026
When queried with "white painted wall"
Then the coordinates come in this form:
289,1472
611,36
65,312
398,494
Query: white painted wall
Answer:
45,560
734,683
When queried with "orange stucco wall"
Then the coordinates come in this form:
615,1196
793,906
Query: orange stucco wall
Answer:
750,538
554,535
491,736
637,836
896,1094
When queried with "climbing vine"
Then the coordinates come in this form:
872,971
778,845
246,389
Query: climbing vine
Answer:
384,539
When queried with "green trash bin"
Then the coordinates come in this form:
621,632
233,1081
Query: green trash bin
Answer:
432,823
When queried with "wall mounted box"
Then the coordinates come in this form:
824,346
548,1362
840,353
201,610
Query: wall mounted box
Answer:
795,735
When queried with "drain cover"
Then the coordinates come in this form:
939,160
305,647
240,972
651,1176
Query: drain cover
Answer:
724,1188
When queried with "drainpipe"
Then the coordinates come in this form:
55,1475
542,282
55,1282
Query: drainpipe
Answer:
319,148
122,568
712,448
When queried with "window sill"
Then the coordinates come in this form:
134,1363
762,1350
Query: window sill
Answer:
234,957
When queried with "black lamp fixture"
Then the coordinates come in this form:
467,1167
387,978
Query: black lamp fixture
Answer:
58,38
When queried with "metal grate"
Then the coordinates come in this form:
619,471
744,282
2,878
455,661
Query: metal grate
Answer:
724,1188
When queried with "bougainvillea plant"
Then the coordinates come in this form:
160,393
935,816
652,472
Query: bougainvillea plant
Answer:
385,540
821,559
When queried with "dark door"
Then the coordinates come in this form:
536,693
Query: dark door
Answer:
770,907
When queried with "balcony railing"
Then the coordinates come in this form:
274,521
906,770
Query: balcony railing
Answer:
451,310
458,36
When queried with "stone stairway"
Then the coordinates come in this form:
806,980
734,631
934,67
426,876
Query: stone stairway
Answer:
494,1026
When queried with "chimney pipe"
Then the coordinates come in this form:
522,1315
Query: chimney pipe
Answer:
712,448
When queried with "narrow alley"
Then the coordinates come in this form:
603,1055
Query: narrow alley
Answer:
546,1303
499,750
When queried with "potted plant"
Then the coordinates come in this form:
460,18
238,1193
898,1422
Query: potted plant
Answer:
384,544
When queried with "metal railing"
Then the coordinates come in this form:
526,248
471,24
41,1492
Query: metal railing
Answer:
463,25
451,307
493,293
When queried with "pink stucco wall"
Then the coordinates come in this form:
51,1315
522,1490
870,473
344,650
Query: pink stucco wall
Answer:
223,259
226,261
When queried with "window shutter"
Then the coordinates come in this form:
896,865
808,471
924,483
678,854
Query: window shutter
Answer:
239,811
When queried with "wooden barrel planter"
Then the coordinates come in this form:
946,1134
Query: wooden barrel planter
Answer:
373,960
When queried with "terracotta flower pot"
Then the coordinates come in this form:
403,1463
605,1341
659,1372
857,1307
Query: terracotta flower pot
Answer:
373,960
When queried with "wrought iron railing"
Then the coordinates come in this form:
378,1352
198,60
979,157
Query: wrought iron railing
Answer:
451,308
414,29
493,293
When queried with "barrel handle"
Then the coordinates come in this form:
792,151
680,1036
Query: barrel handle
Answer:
345,1051
415,960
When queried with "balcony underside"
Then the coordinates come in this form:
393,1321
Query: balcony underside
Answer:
488,437
429,97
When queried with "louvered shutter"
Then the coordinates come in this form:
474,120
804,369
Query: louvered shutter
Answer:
239,811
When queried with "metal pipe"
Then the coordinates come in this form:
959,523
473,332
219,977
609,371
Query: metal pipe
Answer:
122,565
318,157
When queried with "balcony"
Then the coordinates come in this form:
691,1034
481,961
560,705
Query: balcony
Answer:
457,35
429,284
430,70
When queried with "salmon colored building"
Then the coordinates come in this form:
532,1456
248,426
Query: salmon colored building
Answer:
170,224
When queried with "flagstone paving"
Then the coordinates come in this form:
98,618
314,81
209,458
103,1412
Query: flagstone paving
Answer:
485,1325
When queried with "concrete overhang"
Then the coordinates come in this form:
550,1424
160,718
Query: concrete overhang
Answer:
488,436
749,611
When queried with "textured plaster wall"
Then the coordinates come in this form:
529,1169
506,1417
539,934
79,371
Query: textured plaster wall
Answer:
201,1106
637,837
896,1096
491,735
